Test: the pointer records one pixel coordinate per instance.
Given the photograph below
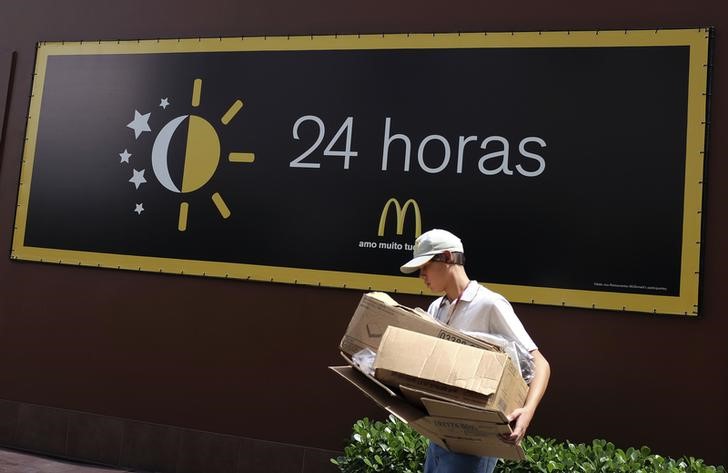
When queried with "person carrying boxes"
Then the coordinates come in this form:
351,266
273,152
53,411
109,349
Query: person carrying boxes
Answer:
468,306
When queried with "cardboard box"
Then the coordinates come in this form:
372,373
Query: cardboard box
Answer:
465,412
452,426
377,311
468,375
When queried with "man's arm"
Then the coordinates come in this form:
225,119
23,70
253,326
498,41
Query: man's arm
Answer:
523,415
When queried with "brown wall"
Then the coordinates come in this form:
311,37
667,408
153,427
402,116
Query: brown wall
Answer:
249,359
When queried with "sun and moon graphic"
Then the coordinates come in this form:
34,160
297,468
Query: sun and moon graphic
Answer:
201,159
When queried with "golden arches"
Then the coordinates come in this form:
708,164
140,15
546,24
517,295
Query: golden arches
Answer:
401,214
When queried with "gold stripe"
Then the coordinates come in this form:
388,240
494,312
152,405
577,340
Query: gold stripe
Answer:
196,92
241,157
232,111
339,279
516,39
220,204
183,209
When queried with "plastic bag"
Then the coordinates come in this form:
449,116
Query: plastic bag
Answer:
515,351
364,360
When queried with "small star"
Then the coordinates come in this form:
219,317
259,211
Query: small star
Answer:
139,124
125,156
139,208
164,103
138,178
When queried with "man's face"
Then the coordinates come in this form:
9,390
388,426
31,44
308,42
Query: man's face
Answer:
435,274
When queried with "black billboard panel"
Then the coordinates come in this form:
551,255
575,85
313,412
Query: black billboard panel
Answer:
570,163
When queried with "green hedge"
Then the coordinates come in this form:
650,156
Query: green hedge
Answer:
392,447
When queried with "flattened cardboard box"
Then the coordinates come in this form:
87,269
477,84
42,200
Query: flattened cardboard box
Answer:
377,311
453,427
451,371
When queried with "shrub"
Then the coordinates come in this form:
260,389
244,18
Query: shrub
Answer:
393,447
547,455
388,447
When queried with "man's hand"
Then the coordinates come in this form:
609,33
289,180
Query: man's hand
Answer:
519,420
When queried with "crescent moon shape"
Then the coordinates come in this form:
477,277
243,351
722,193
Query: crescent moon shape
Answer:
160,150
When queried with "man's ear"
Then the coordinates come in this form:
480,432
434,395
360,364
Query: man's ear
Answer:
448,256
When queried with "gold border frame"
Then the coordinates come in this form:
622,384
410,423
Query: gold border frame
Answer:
684,304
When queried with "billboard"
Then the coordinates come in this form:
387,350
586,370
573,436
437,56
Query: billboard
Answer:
570,163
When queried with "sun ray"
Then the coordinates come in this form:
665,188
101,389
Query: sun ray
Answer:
241,157
196,92
232,111
183,209
220,204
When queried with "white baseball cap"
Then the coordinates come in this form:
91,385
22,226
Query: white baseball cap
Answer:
429,244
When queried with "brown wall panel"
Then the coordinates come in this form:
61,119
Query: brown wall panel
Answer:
250,359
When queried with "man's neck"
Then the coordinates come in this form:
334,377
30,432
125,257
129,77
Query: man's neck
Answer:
459,282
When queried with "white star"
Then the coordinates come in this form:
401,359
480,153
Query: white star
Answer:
138,178
139,208
164,103
139,124
125,156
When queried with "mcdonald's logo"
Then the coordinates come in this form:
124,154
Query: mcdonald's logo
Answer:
401,213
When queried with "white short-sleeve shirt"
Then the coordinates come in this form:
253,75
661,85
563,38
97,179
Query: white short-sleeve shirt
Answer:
479,309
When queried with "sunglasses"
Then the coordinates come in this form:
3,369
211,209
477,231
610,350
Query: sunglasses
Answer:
452,258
